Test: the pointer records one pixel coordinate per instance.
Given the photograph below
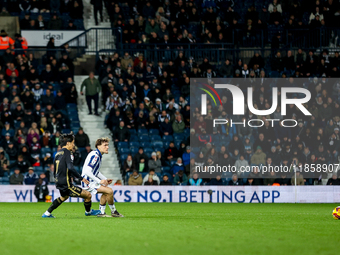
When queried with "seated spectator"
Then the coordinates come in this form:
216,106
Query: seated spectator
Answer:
187,155
16,178
55,23
21,164
150,181
41,190
178,125
135,178
121,134
50,173
47,159
334,180
180,178
118,183
234,181
7,130
141,161
299,179
31,177
165,181
177,167
259,157
155,163
153,176
81,138
12,151
171,153
216,181
195,181
165,127
129,165
283,180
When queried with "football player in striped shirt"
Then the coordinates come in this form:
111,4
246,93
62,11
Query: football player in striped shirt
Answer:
97,181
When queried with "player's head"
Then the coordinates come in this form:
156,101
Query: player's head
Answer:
67,141
102,144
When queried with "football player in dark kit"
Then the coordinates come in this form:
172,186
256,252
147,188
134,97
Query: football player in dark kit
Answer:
64,171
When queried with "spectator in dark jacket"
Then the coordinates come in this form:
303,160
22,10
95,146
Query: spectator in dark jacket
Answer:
216,181
21,164
121,134
226,69
166,127
41,190
81,139
31,177
17,178
141,161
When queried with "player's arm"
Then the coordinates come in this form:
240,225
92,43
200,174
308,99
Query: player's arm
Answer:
74,172
88,171
102,177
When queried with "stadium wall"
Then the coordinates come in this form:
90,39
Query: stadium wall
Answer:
241,194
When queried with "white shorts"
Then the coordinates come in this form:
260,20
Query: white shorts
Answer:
92,187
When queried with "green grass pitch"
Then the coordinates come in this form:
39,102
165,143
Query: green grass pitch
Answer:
170,228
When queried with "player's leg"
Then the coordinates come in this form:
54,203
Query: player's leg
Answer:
108,192
102,204
87,200
55,204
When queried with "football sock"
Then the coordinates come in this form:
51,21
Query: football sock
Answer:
102,208
54,205
112,207
88,206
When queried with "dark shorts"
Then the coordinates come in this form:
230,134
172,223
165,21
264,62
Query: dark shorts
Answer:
73,191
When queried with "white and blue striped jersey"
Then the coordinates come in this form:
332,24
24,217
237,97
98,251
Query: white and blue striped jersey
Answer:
91,168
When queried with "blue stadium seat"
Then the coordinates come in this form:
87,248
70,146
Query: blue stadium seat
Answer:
133,131
123,157
134,144
165,169
157,144
45,150
134,138
144,144
123,150
155,138
148,154
71,106
168,138
123,145
166,145
66,130
142,131
178,144
38,170
154,132
144,138
134,150
148,150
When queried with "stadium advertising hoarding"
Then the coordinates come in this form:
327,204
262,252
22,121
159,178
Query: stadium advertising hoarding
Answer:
193,194
40,38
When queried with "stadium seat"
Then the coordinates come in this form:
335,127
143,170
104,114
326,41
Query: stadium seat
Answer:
168,138
144,144
165,169
153,132
134,144
155,138
157,144
123,157
132,131
142,131
123,145
166,145
134,138
148,150
38,170
144,138
178,144
123,150
45,150
134,150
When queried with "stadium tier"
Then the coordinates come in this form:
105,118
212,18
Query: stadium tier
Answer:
160,48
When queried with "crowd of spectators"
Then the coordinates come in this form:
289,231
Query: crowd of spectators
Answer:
217,21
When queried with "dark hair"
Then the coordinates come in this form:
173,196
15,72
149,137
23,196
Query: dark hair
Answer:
66,138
